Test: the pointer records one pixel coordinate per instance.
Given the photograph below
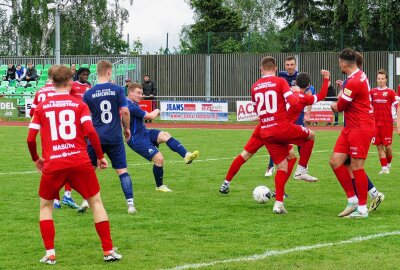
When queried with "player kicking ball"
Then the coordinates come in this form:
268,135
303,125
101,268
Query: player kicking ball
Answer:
63,122
145,141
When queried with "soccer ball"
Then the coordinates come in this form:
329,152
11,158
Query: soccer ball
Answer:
262,194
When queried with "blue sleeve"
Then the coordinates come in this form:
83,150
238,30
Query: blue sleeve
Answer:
121,97
312,89
84,98
136,111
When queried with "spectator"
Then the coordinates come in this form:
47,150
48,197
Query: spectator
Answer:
73,69
332,96
20,73
31,74
149,92
127,83
10,72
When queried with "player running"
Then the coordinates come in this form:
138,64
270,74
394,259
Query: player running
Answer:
105,101
355,138
255,142
40,96
383,98
63,121
145,141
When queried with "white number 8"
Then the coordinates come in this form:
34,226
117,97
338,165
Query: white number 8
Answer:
106,115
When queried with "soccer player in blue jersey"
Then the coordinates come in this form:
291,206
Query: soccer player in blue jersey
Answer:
105,101
145,141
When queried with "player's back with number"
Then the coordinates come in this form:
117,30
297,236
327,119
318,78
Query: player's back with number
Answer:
268,96
104,101
59,119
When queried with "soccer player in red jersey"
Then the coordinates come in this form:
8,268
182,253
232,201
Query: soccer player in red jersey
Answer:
355,138
255,142
269,96
80,86
383,98
63,121
41,95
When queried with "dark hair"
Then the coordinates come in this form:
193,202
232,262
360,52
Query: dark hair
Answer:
303,80
290,58
359,59
81,70
348,55
383,72
268,63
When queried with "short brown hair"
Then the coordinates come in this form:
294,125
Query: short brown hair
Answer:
290,58
51,71
382,71
268,63
359,59
133,86
103,66
61,75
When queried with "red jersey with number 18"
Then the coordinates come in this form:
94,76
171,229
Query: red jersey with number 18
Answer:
59,120
268,95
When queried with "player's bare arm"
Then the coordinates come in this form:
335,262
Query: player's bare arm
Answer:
126,122
153,115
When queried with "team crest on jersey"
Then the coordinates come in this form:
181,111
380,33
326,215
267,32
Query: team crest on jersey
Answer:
347,91
151,151
385,94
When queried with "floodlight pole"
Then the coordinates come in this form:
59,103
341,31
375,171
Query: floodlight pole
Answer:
57,26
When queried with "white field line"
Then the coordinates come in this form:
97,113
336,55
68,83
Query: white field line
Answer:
180,161
271,253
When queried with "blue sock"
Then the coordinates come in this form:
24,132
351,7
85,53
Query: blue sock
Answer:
126,184
354,186
370,184
176,146
271,163
158,173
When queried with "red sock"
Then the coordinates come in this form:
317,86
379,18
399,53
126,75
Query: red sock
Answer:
389,159
305,152
281,178
103,230
48,233
67,187
235,167
291,163
384,162
361,180
343,175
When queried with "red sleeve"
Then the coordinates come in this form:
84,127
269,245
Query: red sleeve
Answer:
34,105
31,141
394,99
324,90
292,98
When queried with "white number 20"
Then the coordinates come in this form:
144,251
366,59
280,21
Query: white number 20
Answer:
269,100
66,119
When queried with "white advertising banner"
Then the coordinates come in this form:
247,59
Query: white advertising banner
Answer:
194,111
245,111
28,104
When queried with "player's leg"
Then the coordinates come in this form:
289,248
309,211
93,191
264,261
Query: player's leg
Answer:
158,172
234,169
301,172
382,159
90,191
389,155
47,230
173,144
117,155
67,198
270,169
387,142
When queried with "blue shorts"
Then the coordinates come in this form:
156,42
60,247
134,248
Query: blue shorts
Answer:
300,120
145,145
115,152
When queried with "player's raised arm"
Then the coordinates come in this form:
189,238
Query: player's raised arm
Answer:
325,84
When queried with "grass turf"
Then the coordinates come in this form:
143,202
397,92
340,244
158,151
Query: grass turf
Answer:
196,224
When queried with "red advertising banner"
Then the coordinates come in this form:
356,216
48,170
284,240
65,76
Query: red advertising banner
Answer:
146,105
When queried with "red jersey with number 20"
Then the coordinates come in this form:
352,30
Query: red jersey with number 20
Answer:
269,95
382,100
59,120
355,101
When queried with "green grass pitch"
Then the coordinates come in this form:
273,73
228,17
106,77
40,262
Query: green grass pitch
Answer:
196,224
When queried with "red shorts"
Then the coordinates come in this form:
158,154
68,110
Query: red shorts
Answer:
354,142
81,178
383,135
255,142
278,140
